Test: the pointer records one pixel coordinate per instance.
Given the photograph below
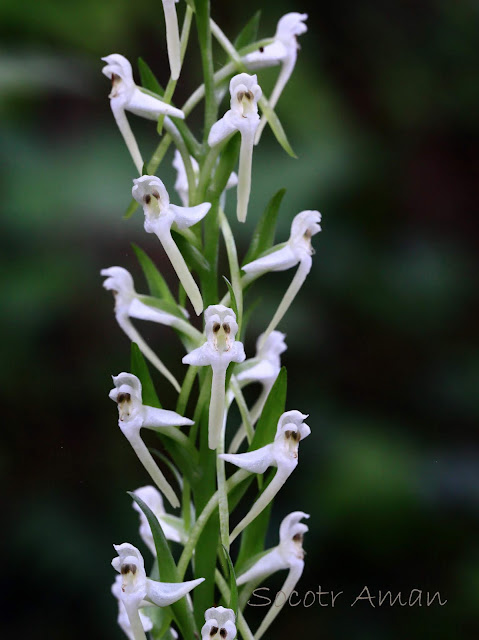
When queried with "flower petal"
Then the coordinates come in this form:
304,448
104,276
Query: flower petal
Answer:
165,593
278,260
188,216
253,461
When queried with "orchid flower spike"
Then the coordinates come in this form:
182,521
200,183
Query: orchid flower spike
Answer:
128,305
172,38
126,96
283,50
243,117
134,415
160,215
138,591
297,251
181,184
281,453
263,368
218,351
219,625
123,620
173,527
288,554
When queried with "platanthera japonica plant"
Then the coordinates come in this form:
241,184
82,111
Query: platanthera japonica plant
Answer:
210,462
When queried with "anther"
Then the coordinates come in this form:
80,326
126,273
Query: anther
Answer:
216,327
223,633
226,328
147,199
287,434
261,49
122,397
128,568
214,631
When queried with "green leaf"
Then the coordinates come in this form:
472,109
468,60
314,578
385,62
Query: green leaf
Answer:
156,283
263,236
193,257
233,603
276,127
167,567
148,78
253,537
234,304
132,207
226,165
274,407
249,32
139,368
163,305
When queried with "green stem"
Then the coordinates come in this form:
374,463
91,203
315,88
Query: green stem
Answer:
186,390
206,45
203,518
240,622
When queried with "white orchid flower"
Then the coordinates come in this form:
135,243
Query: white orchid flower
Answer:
138,591
128,305
134,415
173,527
297,251
289,555
218,351
220,624
127,96
263,368
243,117
160,216
181,183
123,620
283,50
172,38
281,453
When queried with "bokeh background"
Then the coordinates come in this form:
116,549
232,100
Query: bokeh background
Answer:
382,112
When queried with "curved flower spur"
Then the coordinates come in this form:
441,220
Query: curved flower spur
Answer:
243,117
128,305
288,554
160,216
127,96
281,453
218,351
220,624
138,591
297,251
283,50
134,415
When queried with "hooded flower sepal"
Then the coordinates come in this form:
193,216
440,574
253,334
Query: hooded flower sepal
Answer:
281,453
128,305
243,117
263,368
220,624
134,415
137,590
173,527
127,96
297,251
160,216
288,554
283,50
218,351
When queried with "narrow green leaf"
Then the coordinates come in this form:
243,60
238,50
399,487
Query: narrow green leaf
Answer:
139,368
247,316
156,283
234,304
273,409
193,257
249,32
167,567
263,236
233,603
148,78
132,207
276,127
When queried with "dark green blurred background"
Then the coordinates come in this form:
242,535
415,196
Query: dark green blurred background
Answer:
382,112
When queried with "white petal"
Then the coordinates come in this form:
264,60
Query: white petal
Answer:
270,55
146,106
200,357
141,311
266,565
165,593
264,370
278,260
188,216
156,418
221,129
253,461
